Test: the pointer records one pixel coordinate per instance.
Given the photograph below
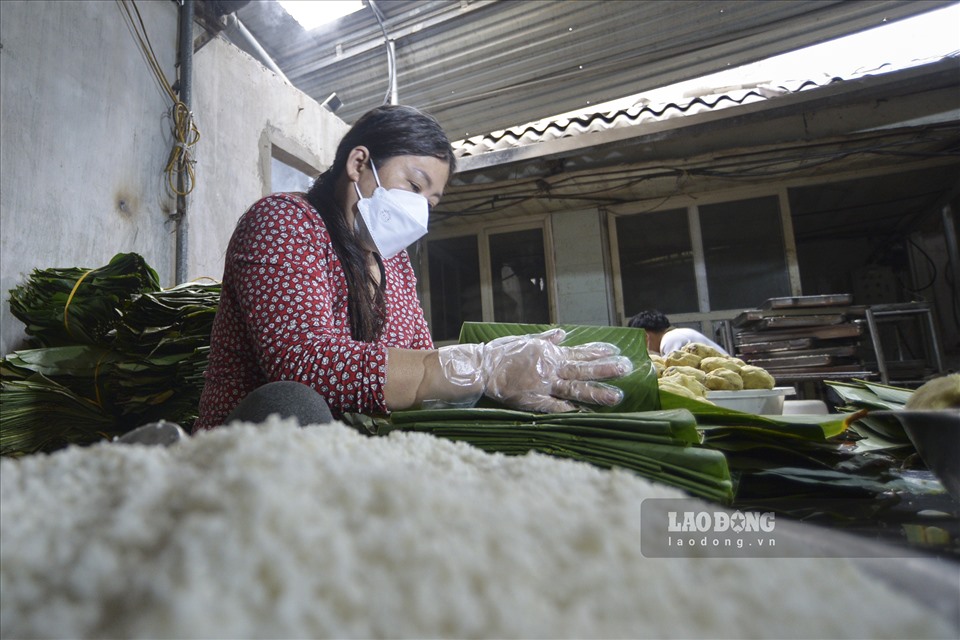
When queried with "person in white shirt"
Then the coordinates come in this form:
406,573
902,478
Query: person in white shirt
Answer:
663,339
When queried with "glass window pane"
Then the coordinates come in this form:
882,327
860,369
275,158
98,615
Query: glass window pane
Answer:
519,277
454,286
743,252
284,177
656,262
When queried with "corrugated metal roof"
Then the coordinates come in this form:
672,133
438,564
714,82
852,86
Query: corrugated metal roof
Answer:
552,129
766,133
578,134
485,65
679,105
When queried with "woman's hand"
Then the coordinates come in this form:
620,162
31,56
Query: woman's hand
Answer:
534,373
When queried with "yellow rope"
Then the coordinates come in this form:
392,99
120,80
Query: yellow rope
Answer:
180,164
66,322
179,169
96,380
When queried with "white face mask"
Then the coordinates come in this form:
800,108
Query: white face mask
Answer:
394,218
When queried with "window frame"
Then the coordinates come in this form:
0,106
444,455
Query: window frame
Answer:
288,151
482,233
705,316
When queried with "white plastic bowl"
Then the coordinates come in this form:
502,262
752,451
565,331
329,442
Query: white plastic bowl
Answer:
805,407
765,402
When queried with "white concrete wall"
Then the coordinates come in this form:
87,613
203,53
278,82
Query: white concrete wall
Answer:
582,296
243,110
84,138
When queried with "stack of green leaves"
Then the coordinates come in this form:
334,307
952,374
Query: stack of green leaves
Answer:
142,361
166,335
41,415
766,455
80,306
660,445
170,320
54,397
785,459
815,467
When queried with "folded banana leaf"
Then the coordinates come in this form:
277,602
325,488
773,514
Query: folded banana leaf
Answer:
834,482
757,451
676,427
858,395
897,395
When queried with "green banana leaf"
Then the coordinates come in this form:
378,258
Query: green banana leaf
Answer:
676,426
881,430
886,392
857,394
74,360
831,481
862,395
639,386
817,428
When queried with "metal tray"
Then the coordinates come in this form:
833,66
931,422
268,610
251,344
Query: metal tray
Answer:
838,299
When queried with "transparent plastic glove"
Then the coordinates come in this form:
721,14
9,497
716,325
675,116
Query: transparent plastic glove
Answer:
534,373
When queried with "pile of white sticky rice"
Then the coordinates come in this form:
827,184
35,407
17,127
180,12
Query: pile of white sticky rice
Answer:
273,531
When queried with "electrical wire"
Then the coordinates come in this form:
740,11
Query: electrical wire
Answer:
391,55
930,262
179,170
140,33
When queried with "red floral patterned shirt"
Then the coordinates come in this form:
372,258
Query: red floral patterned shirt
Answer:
283,315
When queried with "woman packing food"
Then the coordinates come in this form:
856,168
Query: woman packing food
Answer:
319,314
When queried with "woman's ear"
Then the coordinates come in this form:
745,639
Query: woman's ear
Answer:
356,161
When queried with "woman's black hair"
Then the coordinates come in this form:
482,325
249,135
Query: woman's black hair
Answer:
387,131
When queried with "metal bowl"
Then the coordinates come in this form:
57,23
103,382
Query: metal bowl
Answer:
935,434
